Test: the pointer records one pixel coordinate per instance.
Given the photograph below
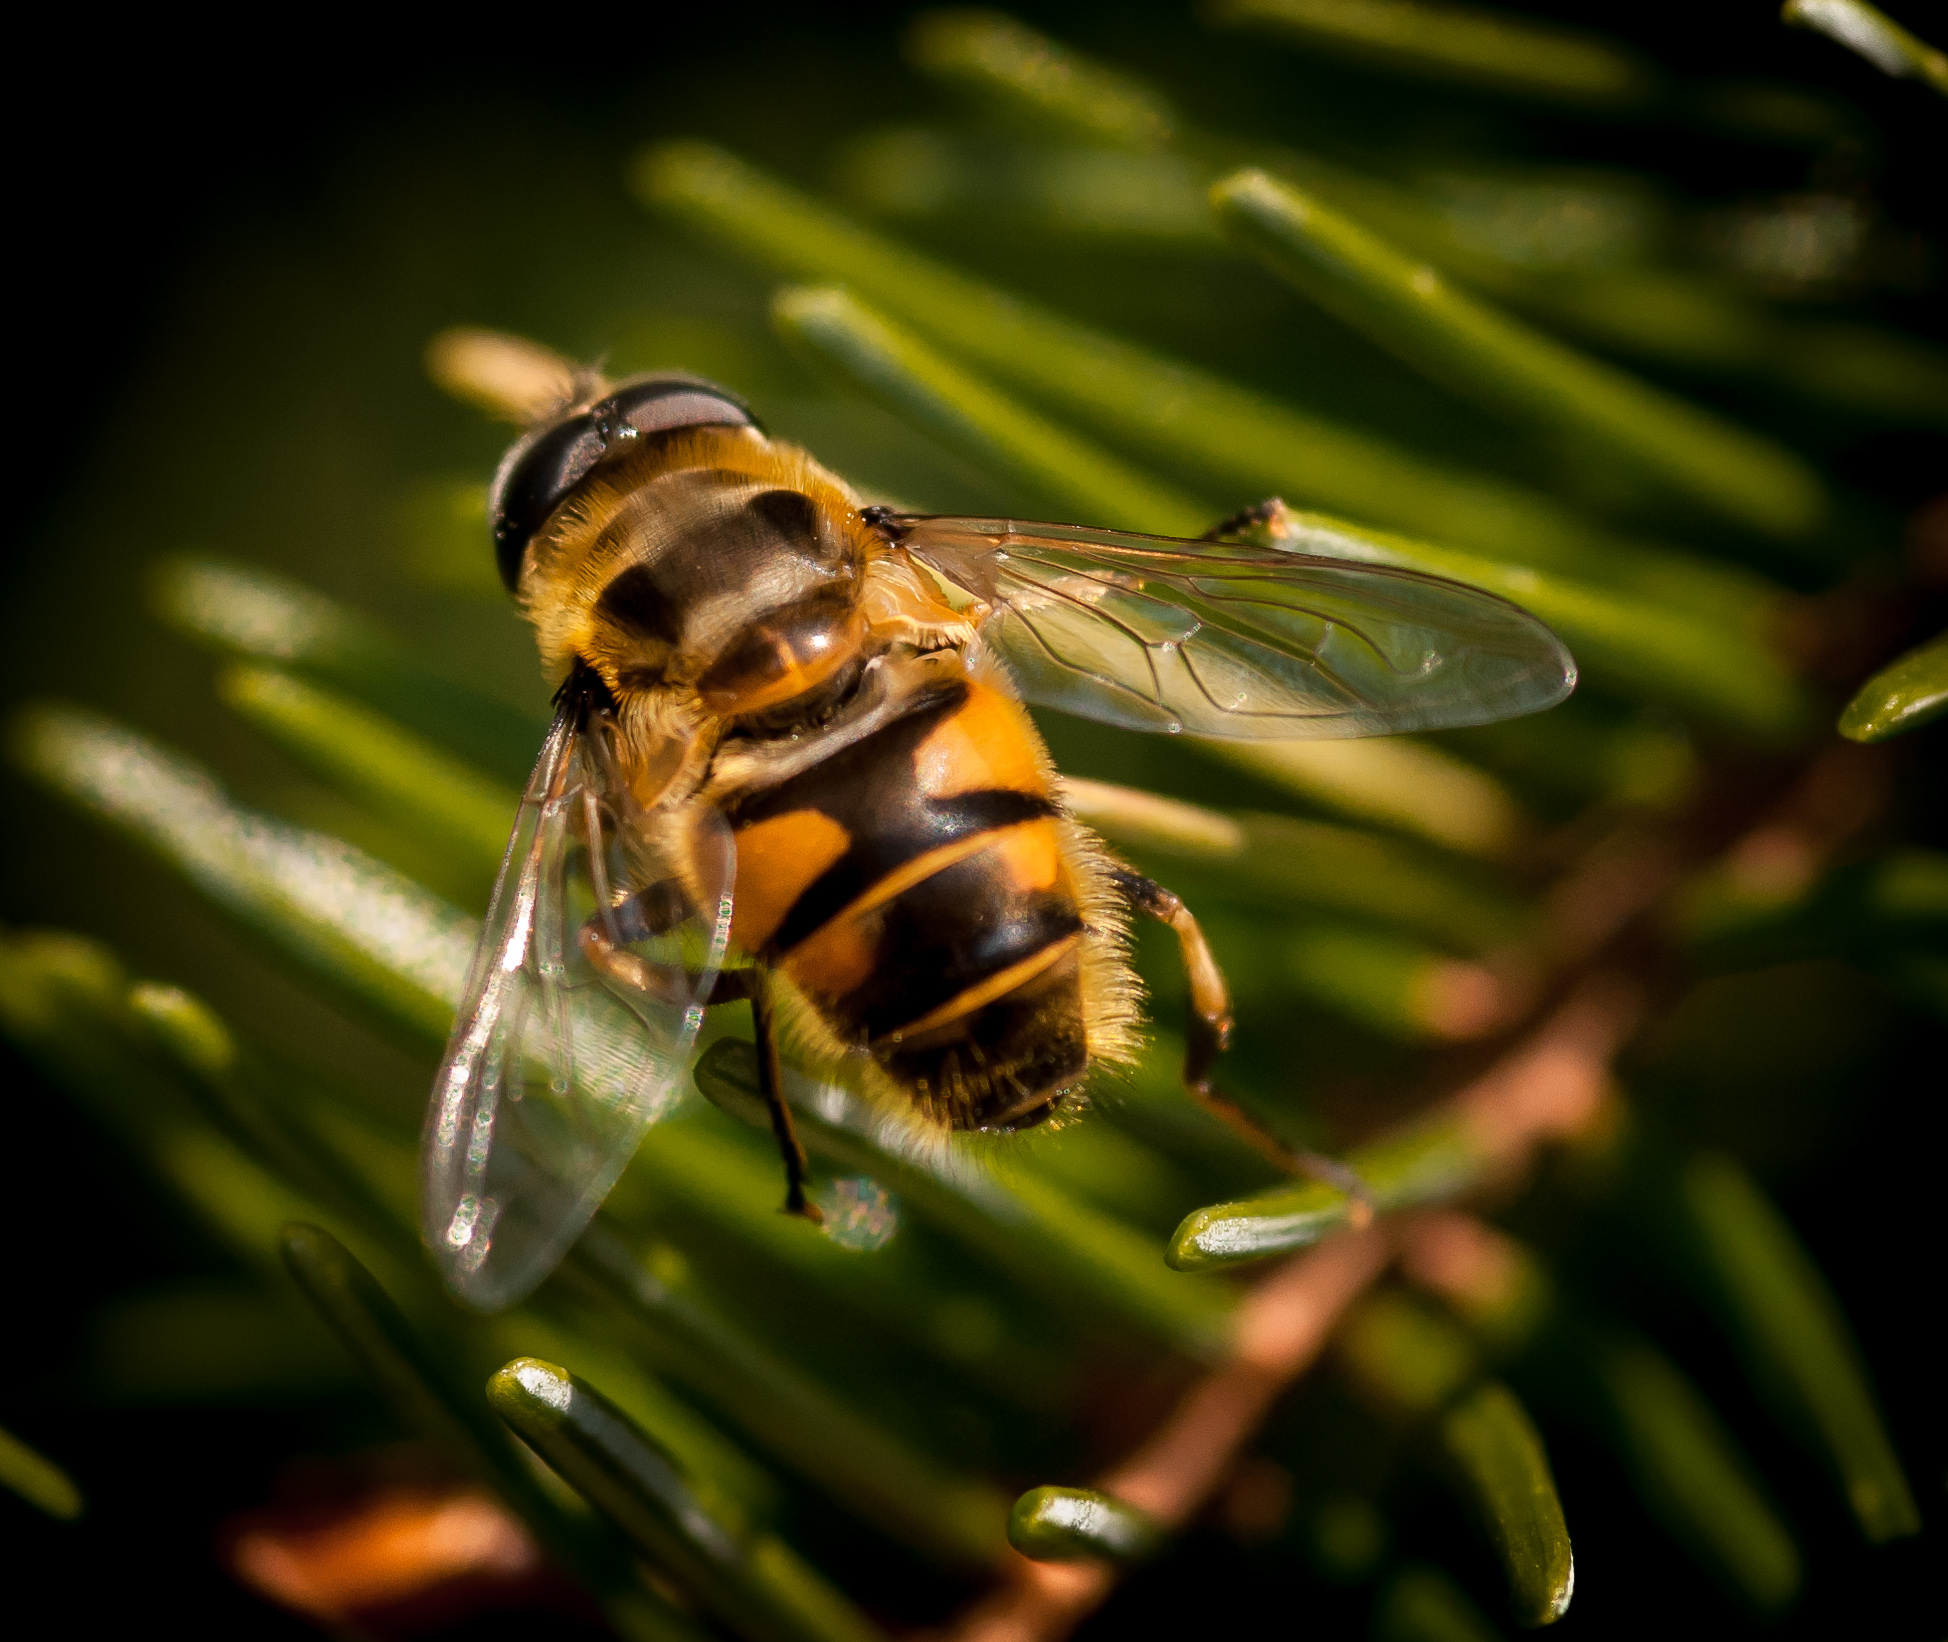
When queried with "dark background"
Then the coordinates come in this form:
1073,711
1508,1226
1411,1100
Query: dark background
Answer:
137,153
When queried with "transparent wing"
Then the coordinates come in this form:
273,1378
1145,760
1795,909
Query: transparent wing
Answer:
556,1066
1152,633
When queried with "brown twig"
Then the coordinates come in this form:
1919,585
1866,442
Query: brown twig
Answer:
1616,882
1548,1088
1838,794
1551,1085
1281,1327
1477,1268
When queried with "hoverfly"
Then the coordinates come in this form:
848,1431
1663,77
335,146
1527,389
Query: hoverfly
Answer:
790,764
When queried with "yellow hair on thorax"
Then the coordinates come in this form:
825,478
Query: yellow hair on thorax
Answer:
577,553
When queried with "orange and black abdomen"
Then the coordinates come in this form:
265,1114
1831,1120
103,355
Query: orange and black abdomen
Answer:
913,886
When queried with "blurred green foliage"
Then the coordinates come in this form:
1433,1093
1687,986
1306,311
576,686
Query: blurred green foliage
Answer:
1019,300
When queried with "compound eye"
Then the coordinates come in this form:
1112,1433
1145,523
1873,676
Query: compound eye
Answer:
666,404
534,479
537,475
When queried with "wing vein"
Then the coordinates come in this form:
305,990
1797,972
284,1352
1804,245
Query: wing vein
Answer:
1296,644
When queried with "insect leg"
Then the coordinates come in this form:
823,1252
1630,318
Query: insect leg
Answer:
1242,524
771,1086
1210,1029
733,986
1210,999
605,938
659,907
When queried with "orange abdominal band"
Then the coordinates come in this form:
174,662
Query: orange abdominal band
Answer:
838,957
